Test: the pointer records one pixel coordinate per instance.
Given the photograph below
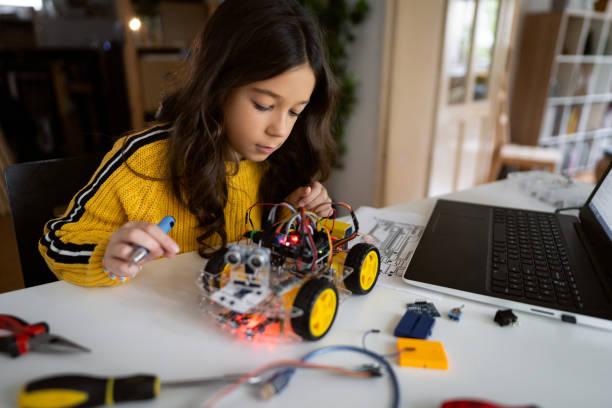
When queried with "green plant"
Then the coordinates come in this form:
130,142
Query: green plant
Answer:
338,18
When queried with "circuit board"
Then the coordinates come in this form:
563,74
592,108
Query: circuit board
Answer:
425,308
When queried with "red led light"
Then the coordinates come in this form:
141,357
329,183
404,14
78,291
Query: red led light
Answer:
295,239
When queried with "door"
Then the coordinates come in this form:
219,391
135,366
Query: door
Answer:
473,60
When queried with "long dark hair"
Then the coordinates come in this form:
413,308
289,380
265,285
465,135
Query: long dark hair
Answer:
243,42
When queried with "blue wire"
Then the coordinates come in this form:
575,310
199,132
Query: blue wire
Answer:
281,379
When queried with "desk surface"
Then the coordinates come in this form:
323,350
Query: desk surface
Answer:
153,324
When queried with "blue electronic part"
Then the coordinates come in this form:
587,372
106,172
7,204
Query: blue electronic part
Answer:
414,325
455,313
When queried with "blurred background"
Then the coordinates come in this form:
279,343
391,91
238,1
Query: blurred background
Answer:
437,95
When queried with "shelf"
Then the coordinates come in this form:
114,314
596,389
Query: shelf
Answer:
576,137
563,86
584,99
591,59
597,15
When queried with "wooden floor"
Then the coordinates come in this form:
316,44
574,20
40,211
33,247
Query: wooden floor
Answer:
10,272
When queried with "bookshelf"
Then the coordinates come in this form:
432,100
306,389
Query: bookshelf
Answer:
562,95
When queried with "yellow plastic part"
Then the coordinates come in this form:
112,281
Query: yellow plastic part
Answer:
156,387
224,275
323,312
369,268
109,391
340,229
51,398
425,353
338,264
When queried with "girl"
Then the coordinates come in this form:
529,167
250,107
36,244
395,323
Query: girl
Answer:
250,122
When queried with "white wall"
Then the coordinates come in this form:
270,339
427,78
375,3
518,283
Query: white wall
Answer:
355,183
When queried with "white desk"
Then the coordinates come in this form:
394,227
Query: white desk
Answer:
153,325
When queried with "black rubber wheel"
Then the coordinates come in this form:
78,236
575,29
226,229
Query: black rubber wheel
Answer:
361,259
215,266
318,298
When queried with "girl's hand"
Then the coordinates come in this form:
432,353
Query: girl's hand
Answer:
312,197
129,236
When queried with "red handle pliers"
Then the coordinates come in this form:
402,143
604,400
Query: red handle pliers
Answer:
25,337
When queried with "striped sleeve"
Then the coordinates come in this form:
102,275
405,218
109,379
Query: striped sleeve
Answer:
73,246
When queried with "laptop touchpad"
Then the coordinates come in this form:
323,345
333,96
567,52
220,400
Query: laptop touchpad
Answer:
454,252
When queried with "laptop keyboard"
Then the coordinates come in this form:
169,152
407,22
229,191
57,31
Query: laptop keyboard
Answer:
529,259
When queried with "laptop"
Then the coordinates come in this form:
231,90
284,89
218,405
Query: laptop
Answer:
553,265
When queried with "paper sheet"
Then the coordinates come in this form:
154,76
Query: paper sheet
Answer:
396,234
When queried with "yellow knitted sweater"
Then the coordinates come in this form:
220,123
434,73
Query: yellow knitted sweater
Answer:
73,245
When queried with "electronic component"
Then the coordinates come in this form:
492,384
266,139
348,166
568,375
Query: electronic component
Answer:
414,325
288,284
338,230
421,353
422,307
568,318
505,317
455,313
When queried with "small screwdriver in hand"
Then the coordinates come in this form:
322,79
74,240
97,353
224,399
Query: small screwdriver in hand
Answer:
81,391
139,253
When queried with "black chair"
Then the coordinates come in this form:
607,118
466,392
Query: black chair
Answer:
36,191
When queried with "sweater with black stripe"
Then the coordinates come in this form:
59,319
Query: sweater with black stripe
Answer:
73,246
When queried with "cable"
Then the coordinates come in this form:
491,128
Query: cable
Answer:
365,335
281,379
290,365
558,210
271,214
390,355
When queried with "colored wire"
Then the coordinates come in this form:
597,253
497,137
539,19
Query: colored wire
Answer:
379,358
284,364
329,253
271,215
390,355
355,223
354,218
313,247
321,205
363,338
285,375
397,353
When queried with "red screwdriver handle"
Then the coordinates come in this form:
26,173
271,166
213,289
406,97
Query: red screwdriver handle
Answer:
472,403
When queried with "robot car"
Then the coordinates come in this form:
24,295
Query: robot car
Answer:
288,278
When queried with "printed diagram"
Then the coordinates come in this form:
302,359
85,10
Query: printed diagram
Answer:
396,234
396,242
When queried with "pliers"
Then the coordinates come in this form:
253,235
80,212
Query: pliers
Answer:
26,337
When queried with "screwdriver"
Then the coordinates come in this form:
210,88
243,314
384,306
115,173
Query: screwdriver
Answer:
80,391
139,253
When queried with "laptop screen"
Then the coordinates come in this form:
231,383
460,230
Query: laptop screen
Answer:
601,204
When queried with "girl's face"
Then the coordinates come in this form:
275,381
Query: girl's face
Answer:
260,116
